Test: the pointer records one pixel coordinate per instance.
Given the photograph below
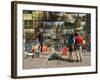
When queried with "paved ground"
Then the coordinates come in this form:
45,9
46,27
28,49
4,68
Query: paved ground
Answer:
42,62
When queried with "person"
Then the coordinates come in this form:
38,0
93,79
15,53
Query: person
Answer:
78,46
71,42
40,39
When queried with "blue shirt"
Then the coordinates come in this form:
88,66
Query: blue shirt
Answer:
71,40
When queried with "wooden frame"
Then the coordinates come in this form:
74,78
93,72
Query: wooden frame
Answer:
14,24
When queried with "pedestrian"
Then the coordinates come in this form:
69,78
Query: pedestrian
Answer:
78,46
71,42
40,39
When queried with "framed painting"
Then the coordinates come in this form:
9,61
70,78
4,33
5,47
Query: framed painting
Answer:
49,39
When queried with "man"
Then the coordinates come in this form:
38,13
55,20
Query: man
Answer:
71,42
78,46
40,39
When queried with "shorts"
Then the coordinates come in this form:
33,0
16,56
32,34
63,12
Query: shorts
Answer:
71,47
77,47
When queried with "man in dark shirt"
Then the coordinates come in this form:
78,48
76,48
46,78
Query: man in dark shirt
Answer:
71,42
40,39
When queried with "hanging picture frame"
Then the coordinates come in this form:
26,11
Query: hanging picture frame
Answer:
40,39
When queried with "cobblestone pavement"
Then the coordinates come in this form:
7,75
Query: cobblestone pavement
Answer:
42,62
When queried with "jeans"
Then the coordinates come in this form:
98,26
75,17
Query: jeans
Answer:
40,46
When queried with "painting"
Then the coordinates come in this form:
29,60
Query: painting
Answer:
53,39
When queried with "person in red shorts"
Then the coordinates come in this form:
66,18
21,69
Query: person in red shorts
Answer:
78,46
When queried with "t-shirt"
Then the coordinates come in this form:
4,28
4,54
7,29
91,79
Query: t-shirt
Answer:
78,40
40,37
71,40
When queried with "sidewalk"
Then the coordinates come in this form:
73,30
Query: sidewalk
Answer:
42,62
